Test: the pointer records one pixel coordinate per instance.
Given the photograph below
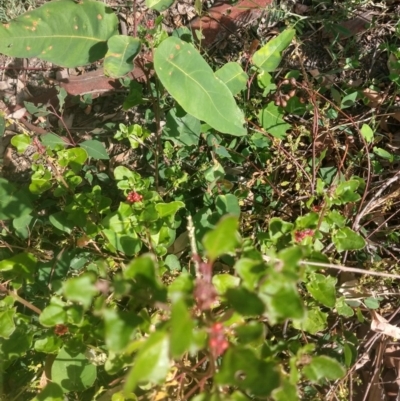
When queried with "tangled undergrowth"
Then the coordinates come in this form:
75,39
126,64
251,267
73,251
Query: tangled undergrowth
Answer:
155,247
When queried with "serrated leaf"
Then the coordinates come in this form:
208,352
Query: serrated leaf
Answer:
192,83
120,55
233,76
64,32
269,56
95,149
271,120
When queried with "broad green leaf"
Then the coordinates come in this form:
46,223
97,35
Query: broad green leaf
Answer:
269,56
119,58
322,288
74,158
20,141
72,371
21,225
227,204
13,202
271,120
315,321
17,345
223,239
52,392
192,83
286,392
95,149
224,281
182,128
67,33
181,328
152,362
159,5
60,220
371,303
250,271
245,302
49,344
54,313
250,332
323,367
342,308
233,76
346,192
129,243
81,289
367,133
345,239
23,264
7,325
258,376
169,209
348,100
119,328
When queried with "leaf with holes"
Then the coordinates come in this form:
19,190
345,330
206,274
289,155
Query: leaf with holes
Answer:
63,32
192,83
121,52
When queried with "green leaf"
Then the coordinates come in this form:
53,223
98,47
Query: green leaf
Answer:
269,56
13,202
60,221
181,329
169,209
20,141
182,128
95,149
367,133
152,362
348,100
223,239
323,367
119,58
81,289
21,225
245,302
74,158
315,322
72,371
2,124
343,309
130,244
159,5
64,32
233,76
271,120
52,392
119,328
54,313
345,239
250,332
49,345
23,264
192,83
224,281
7,325
241,368
227,204
322,288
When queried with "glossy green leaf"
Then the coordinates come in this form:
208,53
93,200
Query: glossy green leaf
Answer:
223,239
323,367
169,209
269,56
224,281
159,5
227,204
54,313
271,119
64,32
60,221
74,158
81,289
120,55
233,76
72,371
241,368
19,342
95,149
22,225
152,362
367,133
250,271
192,83
322,288
181,328
7,325
22,264
49,344
345,239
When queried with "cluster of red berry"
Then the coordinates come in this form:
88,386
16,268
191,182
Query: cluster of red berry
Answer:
217,341
134,197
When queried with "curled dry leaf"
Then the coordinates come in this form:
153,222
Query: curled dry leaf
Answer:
375,98
380,325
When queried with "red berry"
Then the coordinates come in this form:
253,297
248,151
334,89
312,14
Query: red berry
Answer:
134,197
